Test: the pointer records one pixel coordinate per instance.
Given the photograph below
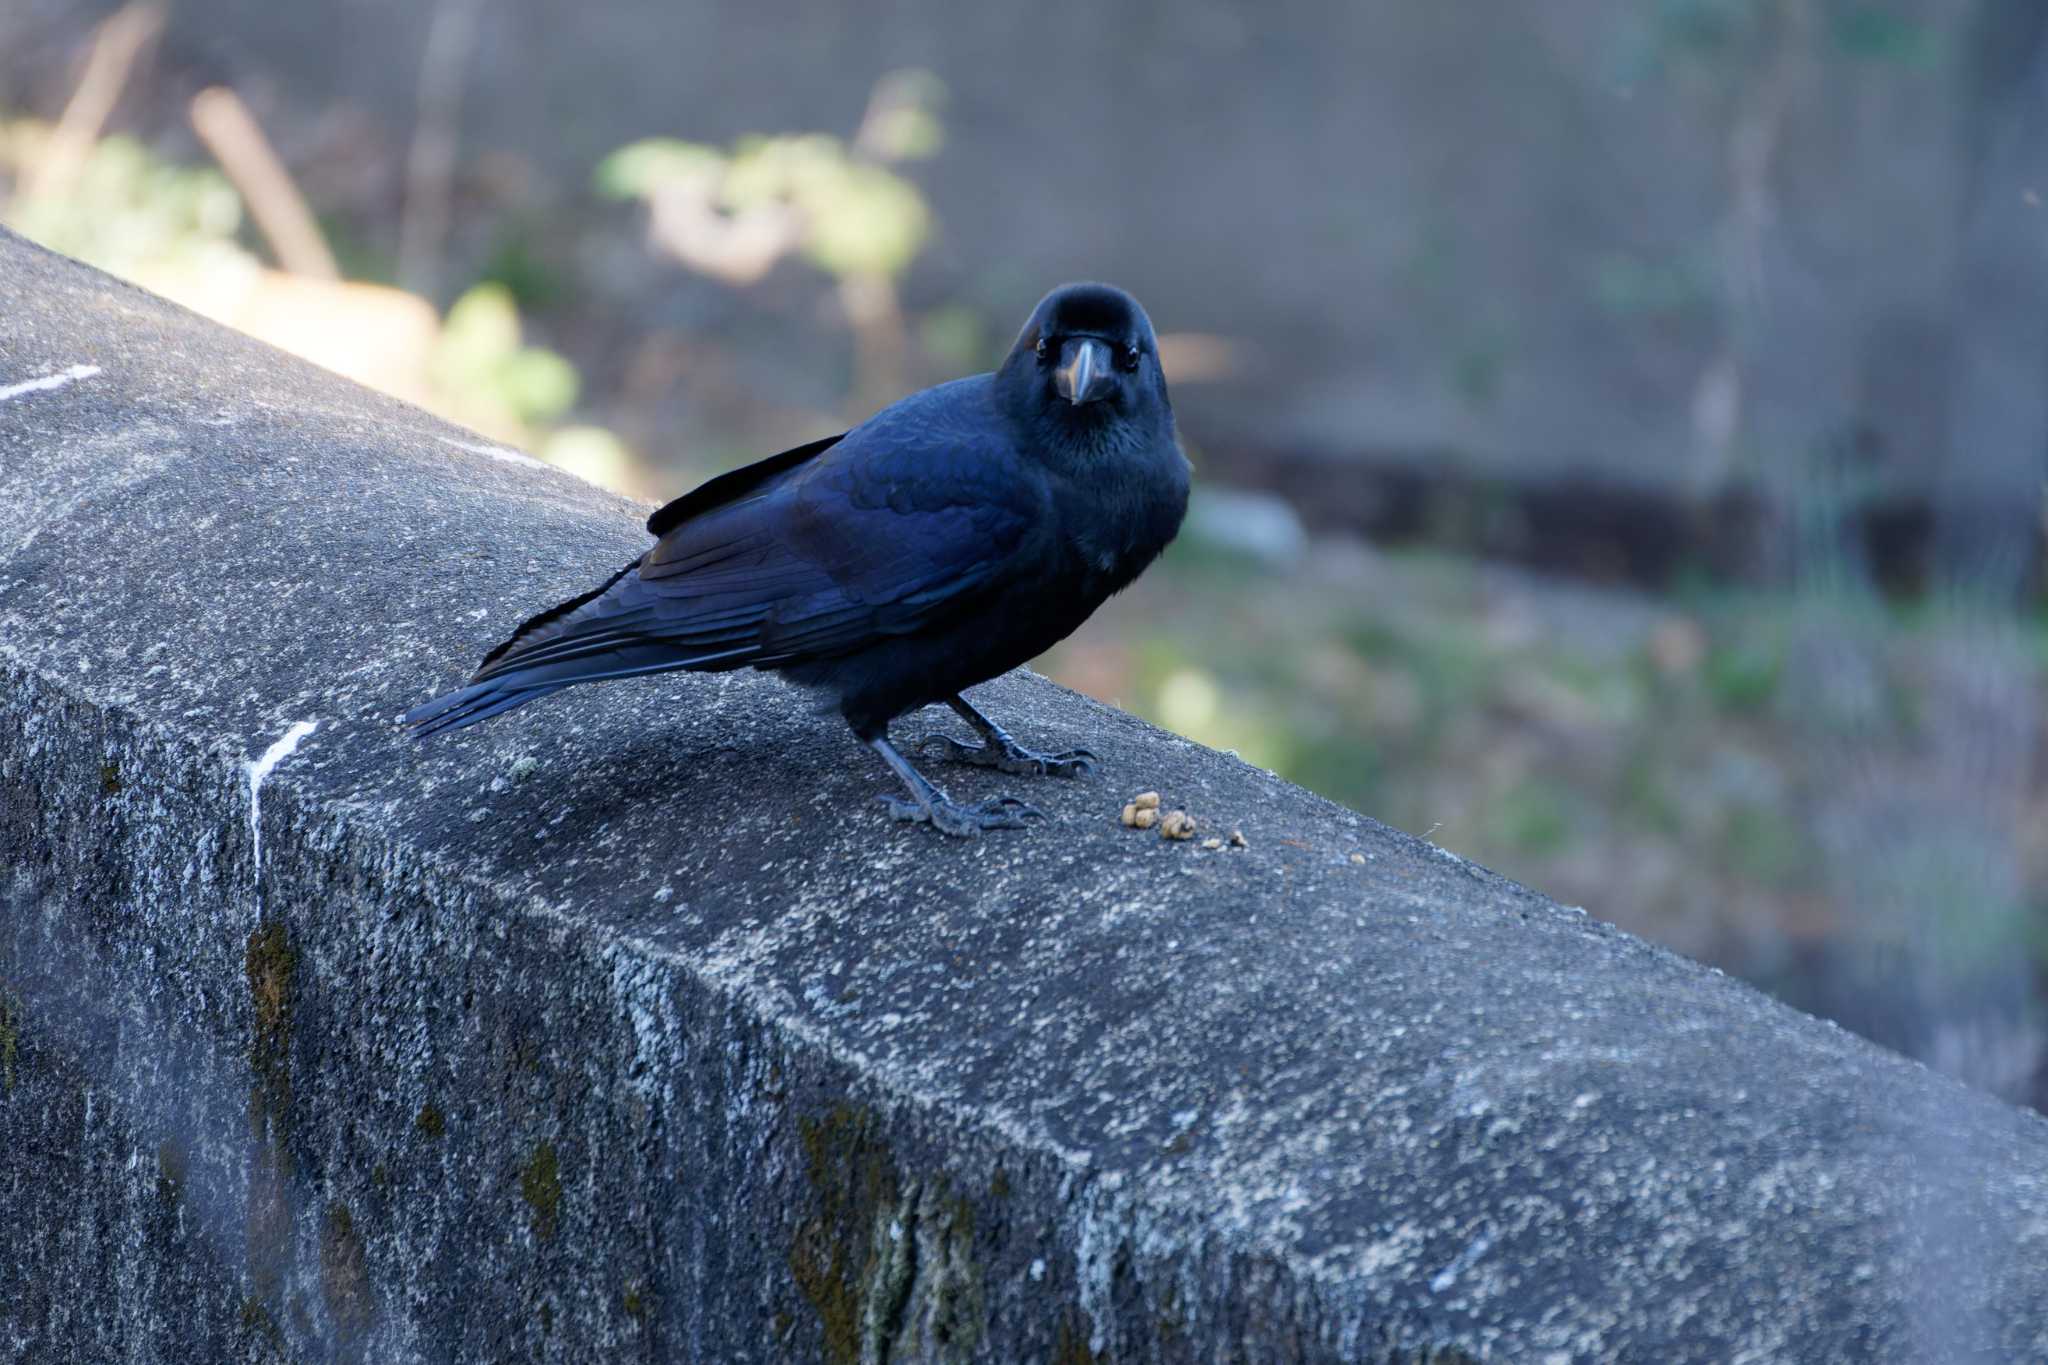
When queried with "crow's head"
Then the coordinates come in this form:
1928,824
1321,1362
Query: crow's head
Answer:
1087,357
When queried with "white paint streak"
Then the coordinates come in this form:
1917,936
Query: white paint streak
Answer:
261,768
48,381
495,452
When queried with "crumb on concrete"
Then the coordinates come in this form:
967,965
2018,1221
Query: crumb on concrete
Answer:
1177,825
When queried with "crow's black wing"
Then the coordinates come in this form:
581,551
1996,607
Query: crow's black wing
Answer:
706,496
909,519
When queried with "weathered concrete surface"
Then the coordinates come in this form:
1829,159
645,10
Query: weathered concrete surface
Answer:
625,1027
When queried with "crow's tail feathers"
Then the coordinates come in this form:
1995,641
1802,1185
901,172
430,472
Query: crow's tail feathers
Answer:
468,705
552,670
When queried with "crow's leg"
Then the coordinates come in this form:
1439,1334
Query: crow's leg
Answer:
998,750
928,803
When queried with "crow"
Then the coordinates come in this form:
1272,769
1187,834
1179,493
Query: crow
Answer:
949,538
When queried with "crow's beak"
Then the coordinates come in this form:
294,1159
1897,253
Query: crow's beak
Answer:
1084,372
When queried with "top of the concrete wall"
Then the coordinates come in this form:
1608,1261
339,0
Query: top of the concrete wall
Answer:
1449,1110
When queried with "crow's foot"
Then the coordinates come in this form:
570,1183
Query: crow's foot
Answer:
965,822
1006,754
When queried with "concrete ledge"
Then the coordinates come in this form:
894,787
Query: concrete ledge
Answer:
625,1028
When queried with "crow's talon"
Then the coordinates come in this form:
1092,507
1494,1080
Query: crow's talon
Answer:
948,817
1011,758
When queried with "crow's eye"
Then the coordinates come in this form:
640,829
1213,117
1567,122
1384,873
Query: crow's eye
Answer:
1130,358
1040,348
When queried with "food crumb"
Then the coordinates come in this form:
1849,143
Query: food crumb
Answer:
1237,839
1358,858
1146,800
1145,817
1212,843
1178,825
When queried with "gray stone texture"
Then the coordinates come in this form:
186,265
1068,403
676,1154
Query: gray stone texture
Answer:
628,1028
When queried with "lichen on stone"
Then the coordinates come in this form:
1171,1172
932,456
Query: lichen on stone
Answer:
540,1185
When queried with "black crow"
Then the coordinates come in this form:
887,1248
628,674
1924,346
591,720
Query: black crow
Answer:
945,540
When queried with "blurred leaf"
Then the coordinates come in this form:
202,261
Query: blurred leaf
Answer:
126,211
1630,287
487,376
859,219
1530,818
539,385
592,454
1704,25
482,327
1873,33
1742,677
639,169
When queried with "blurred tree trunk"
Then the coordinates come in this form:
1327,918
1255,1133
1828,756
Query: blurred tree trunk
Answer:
1988,494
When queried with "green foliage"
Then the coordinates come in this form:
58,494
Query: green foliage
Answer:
1478,369
125,210
1530,818
643,169
1766,845
1874,33
481,364
857,217
1705,26
1630,287
1743,675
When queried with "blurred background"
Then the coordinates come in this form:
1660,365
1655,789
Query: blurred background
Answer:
1620,424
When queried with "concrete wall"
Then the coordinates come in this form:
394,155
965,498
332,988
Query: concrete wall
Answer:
627,1028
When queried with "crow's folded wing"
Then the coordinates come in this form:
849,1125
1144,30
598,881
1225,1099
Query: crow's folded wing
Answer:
861,544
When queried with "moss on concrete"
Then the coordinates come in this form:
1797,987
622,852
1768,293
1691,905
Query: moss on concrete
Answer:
540,1185
257,1322
954,1314
838,1255
344,1277
268,964
11,1011
1071,1347
431,1122
171,1172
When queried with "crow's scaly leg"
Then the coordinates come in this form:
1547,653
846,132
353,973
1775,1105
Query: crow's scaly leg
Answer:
998,750
929,804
